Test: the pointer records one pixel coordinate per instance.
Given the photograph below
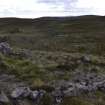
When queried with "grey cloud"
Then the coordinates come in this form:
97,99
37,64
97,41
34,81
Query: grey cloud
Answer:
54,4
65,3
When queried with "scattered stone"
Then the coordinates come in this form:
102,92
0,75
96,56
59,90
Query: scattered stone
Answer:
85,59
5,48
37,95
58,96
3,98
42,93
70,91
20,92
34,95
87,83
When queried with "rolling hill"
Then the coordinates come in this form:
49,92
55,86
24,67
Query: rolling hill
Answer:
52,61
67,34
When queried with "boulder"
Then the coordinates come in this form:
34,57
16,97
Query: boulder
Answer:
85,59
101,86
57,96
20,92
42,92
57,93
3,98
34,95
82,88
70,92
5,48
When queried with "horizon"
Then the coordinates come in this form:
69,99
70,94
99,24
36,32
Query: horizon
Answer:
52,17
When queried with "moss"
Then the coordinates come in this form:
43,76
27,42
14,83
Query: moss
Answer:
75,101
24,69
97,99
37,82
46,100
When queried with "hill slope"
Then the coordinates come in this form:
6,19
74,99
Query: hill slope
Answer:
68,34
63,61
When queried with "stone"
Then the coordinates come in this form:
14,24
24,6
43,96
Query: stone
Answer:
69,92
101,86
3,98
5,48
82,88
57,93
20,92
85,59
58,99
42,92
57,96
34,95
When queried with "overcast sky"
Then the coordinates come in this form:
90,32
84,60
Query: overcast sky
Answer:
38,8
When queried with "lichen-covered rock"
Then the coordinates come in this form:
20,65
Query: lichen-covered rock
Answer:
85,59
5,48
37,95
3,98
34,95
20,92
57,96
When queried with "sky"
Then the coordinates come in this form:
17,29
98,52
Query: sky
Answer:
40,8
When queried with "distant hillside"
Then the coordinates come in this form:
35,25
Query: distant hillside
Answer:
84,34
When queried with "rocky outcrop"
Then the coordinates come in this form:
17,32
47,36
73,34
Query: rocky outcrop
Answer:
20,92
88,83
3,98
15,91
5,48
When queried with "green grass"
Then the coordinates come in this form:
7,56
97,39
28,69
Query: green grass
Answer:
98,98
25,69
67,34
45,67
22,68
76,101
53,42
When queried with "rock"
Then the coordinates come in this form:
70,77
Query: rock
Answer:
85,89
92,88
20,92
57,93
58,96
82,88
42,92
34,95
71,91
85,59
101,86
58,99
5,48
3,98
